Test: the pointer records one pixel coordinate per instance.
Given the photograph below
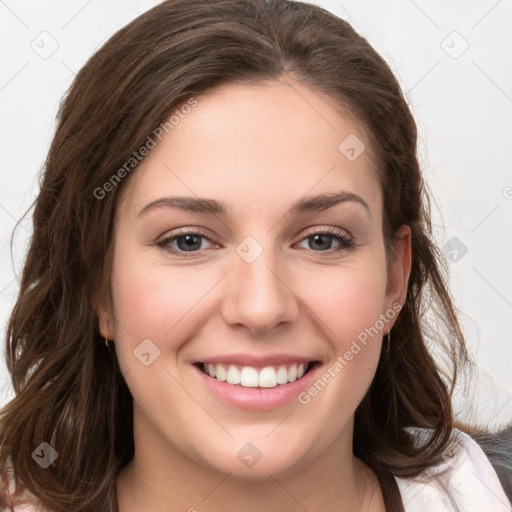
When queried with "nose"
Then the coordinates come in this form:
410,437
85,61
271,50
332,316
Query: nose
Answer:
257,295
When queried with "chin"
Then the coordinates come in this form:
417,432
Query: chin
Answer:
257,460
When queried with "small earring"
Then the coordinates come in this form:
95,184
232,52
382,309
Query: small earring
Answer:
388,342
106,343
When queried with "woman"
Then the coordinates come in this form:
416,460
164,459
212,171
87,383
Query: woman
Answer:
182,339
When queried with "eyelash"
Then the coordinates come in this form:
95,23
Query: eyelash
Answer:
346,243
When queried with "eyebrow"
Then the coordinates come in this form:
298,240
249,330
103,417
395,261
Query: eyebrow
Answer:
306,204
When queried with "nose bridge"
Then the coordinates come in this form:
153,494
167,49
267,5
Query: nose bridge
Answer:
259,296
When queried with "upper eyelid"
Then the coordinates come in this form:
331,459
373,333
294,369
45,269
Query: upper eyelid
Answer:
314,230
187,231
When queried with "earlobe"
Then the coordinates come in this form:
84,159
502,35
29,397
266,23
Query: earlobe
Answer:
105,320
400,267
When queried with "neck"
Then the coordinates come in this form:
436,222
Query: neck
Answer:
161,477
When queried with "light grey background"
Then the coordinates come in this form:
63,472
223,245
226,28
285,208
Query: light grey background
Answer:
453,61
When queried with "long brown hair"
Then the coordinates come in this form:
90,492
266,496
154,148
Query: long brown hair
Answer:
69,391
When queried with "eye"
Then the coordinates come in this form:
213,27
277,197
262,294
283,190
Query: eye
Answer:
191,241
321,241
184,241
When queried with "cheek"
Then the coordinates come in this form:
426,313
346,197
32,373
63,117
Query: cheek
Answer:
142,302
154,301
150,304
350,306
348,302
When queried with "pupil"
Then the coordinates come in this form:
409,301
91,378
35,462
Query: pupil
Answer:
315,239
191,242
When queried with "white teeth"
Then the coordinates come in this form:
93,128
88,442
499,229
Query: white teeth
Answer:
292,373
220,373
249,377
282,375
267,377
233,375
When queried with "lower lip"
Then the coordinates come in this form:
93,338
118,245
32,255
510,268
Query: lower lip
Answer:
257,398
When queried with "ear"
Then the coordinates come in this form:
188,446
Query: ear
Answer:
105,317
399,268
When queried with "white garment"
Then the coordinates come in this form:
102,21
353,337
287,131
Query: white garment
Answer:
464,481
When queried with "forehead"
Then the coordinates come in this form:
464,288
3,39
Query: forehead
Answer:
260,148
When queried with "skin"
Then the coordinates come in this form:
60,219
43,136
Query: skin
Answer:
258,149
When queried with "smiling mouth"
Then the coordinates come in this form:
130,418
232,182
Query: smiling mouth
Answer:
250,377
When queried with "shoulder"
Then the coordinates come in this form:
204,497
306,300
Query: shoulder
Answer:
21,507
463,481
498,448
25,503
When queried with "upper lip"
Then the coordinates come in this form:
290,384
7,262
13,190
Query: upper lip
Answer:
256,360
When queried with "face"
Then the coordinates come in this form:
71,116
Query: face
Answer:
248,327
